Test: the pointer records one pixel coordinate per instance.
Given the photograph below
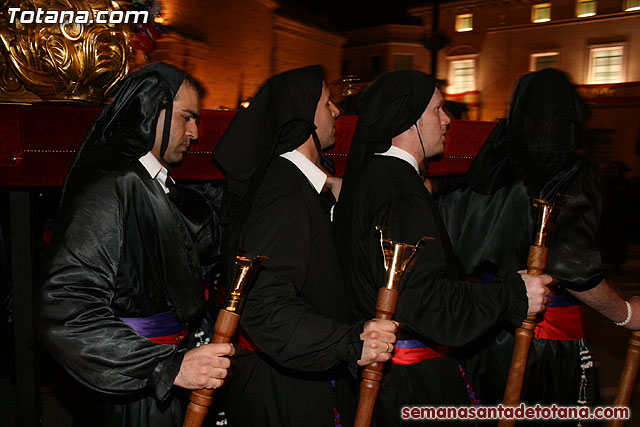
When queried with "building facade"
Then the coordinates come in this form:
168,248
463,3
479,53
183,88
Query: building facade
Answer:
233,46
596,42
488,44
371,51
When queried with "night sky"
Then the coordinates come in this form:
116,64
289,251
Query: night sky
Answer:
345,15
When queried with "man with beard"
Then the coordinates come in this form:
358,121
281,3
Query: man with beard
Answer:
122,280
298,339
402,123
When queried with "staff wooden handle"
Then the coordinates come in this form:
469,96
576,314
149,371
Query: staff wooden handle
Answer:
200,400
536,263
372,374
224,329
628,377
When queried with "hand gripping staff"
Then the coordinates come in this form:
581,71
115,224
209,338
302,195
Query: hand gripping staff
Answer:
224,329
396,258
545,215
628,377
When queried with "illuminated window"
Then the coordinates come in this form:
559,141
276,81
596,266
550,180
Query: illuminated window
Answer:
606,64
403,62
632,5
541,12
586,8
464,22
462,76
540,61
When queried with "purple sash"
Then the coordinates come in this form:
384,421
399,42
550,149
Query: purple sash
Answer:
156,325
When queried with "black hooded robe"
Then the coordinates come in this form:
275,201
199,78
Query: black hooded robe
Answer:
434,308
296,313
501,223
490,223
122,249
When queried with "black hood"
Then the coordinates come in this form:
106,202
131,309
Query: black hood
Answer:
534,143
126,128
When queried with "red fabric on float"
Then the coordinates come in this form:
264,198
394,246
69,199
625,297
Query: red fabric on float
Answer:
39,141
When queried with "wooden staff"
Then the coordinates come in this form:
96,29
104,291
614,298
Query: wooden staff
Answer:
536,263
224,329
628,377
396,257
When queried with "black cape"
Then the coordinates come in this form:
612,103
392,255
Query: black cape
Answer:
490,223
491,234
433,306
296,312
121,248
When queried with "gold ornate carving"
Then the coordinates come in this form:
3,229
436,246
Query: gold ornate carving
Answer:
9,82
64,61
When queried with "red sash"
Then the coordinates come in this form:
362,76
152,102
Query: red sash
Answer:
175,339
244,341
561,323
410,352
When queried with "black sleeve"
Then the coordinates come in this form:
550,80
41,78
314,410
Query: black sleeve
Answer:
285,327
75,320
433,305
574,258
200,216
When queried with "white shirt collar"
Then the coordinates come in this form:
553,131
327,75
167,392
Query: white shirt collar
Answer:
316,177
401,154
156,170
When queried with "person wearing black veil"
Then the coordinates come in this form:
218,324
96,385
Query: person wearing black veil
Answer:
531,154
401,124
121,281
296,334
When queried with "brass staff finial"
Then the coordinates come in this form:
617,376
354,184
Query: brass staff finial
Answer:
544,216
397,256
246,268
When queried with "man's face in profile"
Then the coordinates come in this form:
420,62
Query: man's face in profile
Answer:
325,119
184,126
433,125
